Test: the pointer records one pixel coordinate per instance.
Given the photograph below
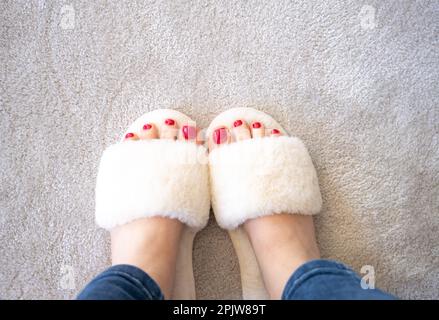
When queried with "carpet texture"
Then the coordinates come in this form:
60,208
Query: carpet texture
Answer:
358,81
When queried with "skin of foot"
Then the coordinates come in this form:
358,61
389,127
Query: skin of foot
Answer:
151,244
282,242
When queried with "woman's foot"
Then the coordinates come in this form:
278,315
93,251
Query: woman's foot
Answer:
151,244
281,242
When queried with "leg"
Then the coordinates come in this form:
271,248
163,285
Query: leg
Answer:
272,236
144,251
286,239
289,240
144,254
151,245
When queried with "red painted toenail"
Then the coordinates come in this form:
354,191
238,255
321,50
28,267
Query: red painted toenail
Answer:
129,135
275,131
237,123
189,132
147,126
169,122
220,135
256,125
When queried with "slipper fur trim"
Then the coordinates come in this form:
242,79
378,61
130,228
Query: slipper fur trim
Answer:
259,177
149,178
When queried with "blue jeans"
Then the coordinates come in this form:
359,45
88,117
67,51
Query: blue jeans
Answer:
317,279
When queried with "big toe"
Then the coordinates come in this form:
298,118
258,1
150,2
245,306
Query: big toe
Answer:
219,136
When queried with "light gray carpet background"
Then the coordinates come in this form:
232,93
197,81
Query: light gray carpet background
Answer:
356,80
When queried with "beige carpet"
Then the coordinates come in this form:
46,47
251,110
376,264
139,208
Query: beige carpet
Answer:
356,80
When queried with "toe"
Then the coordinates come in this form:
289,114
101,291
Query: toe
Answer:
240,130
149,131
219,136
131,136
169,129
258,130
275,133
200,137
188,133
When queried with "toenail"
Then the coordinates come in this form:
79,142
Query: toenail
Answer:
189,132
275,131
147,126
237,123
220,135
256,125
169,122
129,135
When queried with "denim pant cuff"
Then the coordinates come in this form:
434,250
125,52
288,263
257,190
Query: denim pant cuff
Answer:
327,279
122,282
306,271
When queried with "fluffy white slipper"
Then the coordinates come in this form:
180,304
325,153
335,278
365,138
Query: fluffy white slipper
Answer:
157,177
258,177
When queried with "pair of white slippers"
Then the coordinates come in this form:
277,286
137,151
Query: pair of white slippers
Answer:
176,179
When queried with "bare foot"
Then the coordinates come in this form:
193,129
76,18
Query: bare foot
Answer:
151,244
281,242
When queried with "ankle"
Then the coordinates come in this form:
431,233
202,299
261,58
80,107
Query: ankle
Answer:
282,243
150,244
132,239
